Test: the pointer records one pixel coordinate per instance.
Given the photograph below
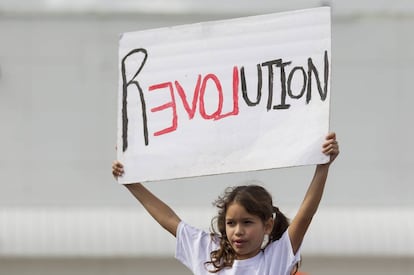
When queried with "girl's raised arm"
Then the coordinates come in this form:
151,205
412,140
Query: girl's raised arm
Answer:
161,212
307,210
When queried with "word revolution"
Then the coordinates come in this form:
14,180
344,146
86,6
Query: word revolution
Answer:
238,79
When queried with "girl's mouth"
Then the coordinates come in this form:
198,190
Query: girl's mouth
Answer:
238,243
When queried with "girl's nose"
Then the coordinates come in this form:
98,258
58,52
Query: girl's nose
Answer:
239,230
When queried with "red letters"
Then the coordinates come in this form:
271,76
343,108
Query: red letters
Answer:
181,93
235,110
216,81
198,97
170,104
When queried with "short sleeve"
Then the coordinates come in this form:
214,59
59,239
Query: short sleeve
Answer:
193,246
293,259
279,256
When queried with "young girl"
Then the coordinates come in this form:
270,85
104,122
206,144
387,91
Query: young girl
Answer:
246,217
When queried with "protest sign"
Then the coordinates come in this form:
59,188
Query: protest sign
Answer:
225,96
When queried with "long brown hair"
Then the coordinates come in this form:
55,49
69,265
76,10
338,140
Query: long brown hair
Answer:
257,201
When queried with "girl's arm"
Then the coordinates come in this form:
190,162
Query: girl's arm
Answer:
307,210
161,212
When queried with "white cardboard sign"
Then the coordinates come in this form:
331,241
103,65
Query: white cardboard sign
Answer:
224,96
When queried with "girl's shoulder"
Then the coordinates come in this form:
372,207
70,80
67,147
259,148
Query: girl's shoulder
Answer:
193,245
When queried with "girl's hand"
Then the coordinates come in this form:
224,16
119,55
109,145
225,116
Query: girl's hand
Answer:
331,147
117,169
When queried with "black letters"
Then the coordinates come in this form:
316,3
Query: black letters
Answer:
289,82
312,68
282,104
286,86
125,85
259,86
270,64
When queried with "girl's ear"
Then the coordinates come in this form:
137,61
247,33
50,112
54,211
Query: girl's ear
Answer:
268,226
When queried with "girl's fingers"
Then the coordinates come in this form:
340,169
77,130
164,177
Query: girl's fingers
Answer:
117,169
331,146
331,149
331,135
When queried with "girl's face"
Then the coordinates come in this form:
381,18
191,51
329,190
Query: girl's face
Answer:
245,231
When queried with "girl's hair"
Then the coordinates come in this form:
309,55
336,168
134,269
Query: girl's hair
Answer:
257,201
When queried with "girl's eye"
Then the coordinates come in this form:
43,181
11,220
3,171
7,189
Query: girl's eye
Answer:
230,223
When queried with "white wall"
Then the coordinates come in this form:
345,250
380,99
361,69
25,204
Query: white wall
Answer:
58,82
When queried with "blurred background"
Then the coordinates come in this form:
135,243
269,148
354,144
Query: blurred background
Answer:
61,212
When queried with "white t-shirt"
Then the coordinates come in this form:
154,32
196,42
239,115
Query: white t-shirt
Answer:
194,247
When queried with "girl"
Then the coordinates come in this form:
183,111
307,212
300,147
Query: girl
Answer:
245,219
